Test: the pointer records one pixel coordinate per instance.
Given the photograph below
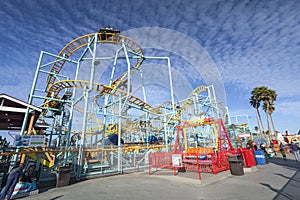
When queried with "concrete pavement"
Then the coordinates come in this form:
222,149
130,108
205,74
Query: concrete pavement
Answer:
279,179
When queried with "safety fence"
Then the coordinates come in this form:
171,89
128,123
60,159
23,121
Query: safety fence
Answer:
248,157
194,162
160,160
207,163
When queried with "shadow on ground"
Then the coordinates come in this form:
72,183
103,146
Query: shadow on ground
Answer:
290,190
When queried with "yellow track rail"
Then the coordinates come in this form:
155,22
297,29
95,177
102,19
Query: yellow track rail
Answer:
60,85
188,102
90,115
83,41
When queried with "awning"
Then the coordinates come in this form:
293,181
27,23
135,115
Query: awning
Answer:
12,113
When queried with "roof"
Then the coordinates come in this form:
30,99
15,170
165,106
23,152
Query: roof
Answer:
12,112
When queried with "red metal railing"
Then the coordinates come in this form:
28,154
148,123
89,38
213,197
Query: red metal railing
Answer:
160,160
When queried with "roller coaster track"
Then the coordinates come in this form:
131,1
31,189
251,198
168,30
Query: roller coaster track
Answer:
54,87
189,101
60,85
90,115
156,107
84,41
185,104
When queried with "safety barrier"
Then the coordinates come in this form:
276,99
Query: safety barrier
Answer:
160,160
248,157
208,163
222,161
195,162
191,162
199,151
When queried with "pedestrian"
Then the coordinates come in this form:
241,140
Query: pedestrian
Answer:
281,148
27,182
248,146
12,180
255,148
30,175
295,150
263,148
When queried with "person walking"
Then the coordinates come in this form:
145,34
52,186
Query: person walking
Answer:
281,148
295,150
12,180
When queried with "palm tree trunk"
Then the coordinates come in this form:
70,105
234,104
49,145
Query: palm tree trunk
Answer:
272,122
258,122
268,118
262,126
269,128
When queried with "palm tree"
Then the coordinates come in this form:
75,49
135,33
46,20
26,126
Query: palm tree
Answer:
271,110
265,107
269,97
255,100
255,103
272,99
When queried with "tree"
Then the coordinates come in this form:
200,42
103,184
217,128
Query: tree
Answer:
255,101
269,97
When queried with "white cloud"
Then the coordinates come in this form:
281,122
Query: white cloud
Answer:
186,48
250,43
291,108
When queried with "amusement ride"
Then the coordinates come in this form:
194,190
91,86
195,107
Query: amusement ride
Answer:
94,128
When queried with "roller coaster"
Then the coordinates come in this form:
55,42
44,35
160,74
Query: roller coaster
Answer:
100,128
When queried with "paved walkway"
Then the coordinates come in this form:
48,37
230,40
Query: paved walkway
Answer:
279,179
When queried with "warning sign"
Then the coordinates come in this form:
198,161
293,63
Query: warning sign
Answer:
29,140
176,160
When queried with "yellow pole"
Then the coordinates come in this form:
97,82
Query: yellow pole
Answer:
23,156
216,135
184,137
30,124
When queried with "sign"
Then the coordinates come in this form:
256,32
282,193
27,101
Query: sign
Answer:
176,160
259,156
29,140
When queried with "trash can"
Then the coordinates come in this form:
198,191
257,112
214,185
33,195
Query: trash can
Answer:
260,157
63,175
236,165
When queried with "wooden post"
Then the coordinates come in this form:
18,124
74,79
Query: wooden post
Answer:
23,156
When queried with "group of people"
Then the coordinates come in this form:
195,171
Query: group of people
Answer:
293,148
270,151
17,176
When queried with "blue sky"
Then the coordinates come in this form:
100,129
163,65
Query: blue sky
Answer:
249,42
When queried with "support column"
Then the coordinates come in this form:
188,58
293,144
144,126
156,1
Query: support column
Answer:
87,90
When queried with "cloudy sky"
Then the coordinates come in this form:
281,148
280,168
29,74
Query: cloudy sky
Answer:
235,44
